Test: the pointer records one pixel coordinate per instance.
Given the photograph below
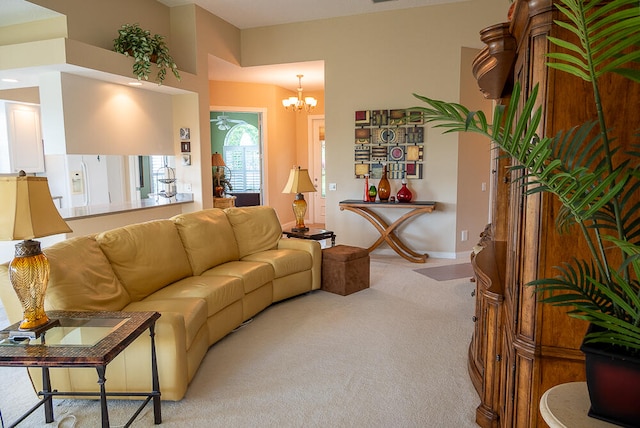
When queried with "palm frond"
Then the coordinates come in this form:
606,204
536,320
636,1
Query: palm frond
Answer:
584,190
592,297
580,167
606,30
616,331
577,288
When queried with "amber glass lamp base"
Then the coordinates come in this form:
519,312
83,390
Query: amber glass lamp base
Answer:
299,210
29,275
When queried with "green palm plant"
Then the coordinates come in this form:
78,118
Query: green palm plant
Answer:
598,189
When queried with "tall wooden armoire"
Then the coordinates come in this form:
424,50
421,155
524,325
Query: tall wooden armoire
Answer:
520,347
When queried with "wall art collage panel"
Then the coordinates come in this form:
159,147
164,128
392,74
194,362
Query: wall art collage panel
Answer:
394,138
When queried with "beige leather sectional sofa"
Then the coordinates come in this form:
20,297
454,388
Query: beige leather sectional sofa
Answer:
206,272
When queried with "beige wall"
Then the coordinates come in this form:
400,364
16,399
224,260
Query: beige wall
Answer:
96,22
44,29
214,36
377,61
371,61
89,116
191,34
474,163
25,95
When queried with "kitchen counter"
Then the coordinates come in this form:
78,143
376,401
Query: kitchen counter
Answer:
76,213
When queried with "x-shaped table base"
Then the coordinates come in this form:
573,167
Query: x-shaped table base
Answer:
387,231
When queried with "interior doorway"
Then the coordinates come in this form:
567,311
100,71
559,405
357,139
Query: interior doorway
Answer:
317,168
236,133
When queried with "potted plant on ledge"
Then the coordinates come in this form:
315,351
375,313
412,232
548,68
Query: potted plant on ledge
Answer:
594,171
146,49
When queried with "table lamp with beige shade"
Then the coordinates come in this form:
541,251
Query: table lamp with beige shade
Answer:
28,212
219,174
299,182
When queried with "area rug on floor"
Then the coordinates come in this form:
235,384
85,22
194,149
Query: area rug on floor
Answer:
449,272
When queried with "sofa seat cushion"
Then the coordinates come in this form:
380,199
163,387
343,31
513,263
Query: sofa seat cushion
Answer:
207,237
255,228
81,278
253,274
193,312
218,291
146,256
284,262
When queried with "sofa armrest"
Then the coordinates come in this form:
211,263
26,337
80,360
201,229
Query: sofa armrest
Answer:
176,331
313,248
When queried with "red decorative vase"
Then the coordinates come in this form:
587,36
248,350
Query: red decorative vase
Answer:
404,194
511,10
366,188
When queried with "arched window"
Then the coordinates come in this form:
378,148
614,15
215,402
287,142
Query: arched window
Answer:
241,154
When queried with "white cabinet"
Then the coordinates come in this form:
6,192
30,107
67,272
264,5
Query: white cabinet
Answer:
21,145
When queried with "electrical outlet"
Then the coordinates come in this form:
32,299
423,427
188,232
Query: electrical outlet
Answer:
484,187
333,187
464,235
187,187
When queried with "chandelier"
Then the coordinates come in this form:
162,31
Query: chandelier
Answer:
299,103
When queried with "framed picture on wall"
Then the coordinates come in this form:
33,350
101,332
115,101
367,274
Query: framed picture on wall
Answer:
363,117
186,159
361,169
185,134
393,137
185,147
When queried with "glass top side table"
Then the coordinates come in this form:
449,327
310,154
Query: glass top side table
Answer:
315,234
81,339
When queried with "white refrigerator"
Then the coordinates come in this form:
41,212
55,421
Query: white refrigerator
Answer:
85,180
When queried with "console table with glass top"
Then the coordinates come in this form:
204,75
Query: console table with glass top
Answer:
387,231
81,339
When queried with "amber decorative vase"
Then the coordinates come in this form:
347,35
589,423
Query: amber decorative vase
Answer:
384,187
29,275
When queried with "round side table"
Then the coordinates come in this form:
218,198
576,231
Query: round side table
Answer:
566,406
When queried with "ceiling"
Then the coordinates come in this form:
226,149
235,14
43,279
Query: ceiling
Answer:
260,13
249,14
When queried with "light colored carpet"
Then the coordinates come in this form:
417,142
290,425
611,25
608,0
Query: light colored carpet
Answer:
393,355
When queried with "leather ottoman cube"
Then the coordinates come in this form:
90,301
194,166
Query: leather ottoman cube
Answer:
345,269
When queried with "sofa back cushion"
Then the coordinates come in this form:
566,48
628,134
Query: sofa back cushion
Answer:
145,256
256,228
81,278
207,237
